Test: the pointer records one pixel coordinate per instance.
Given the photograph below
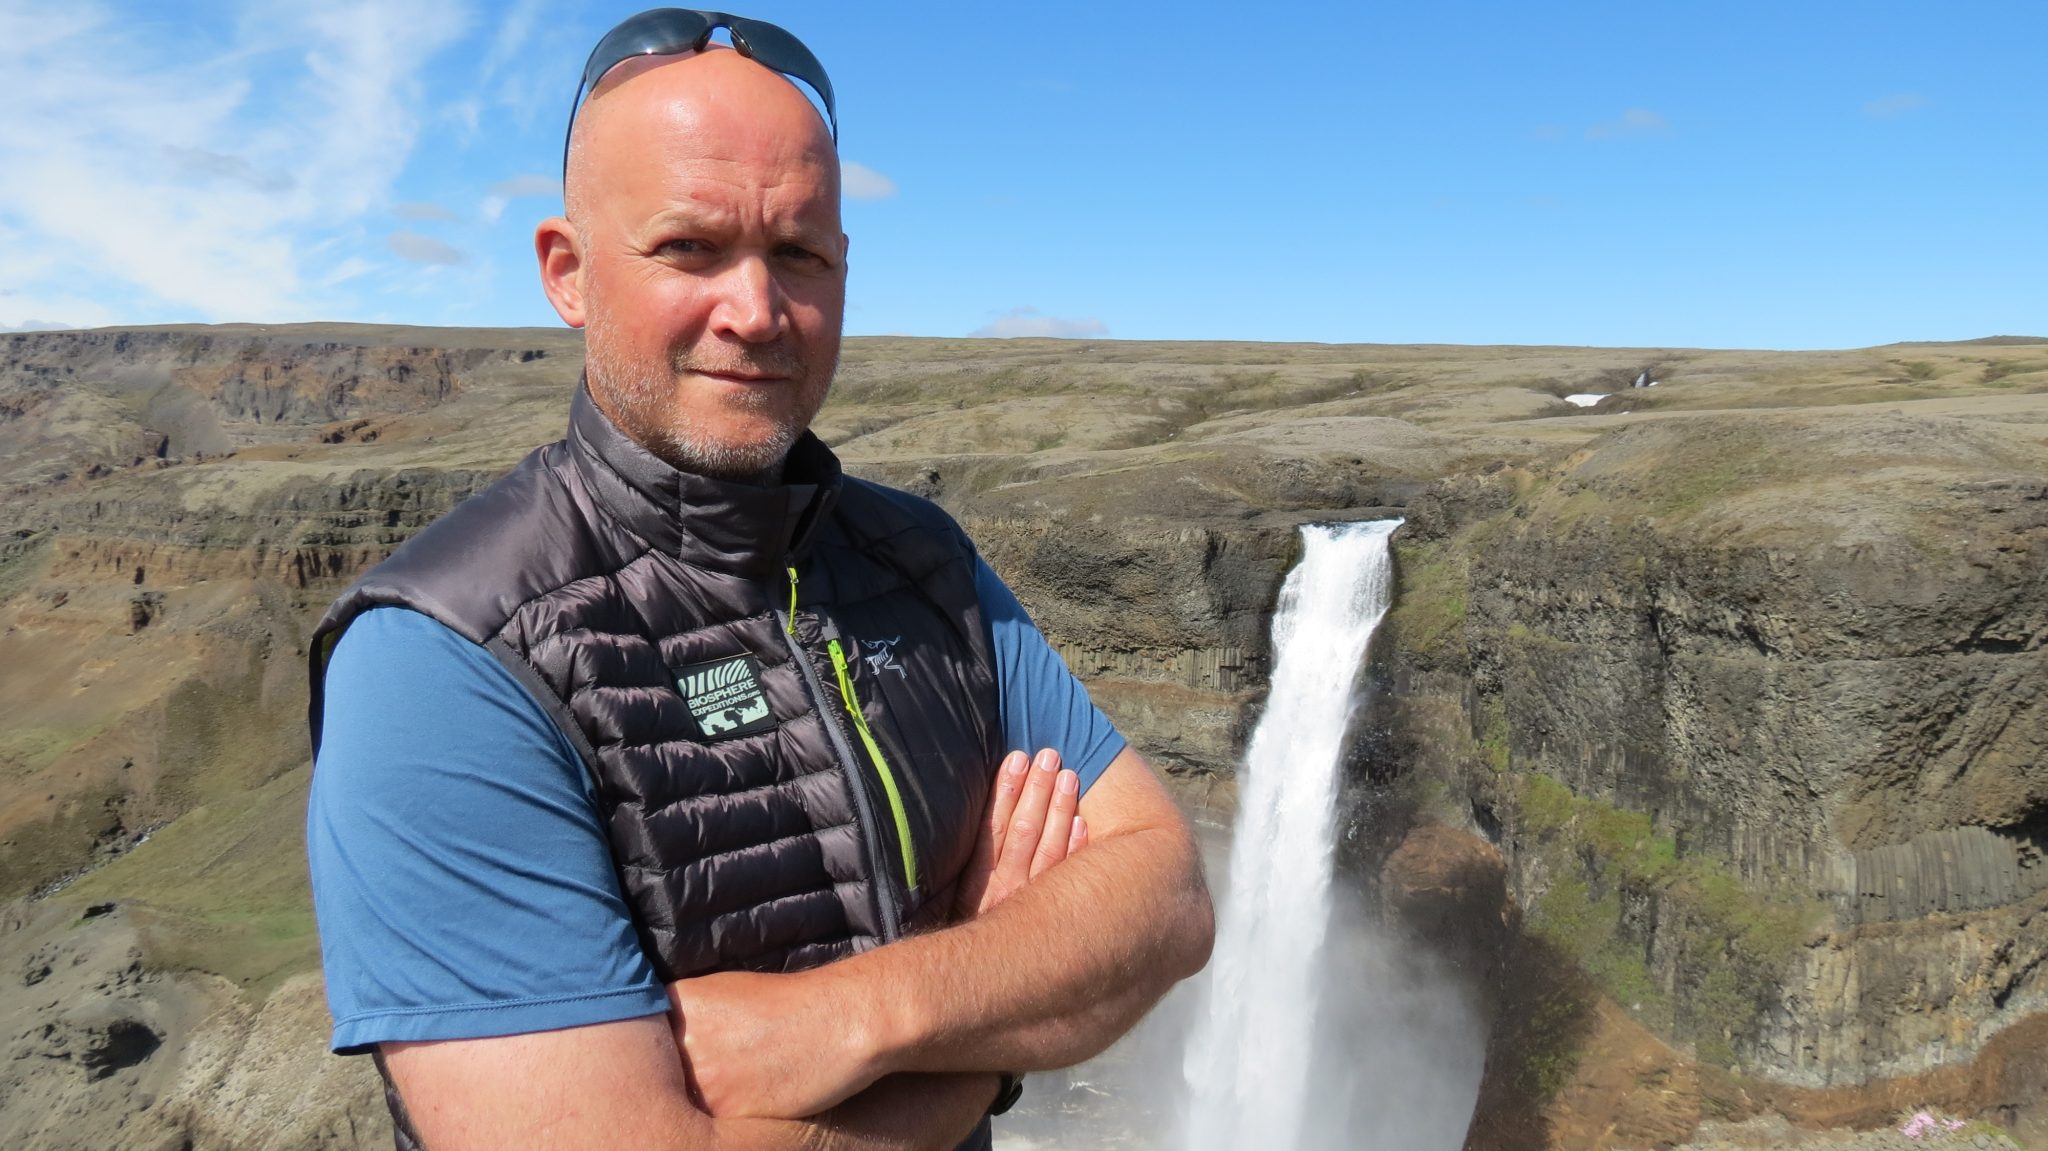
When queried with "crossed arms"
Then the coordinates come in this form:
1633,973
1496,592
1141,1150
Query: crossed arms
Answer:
897,1047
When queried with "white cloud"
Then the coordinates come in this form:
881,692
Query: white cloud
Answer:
1029,321
1894,106
527,186
505,191
20,312
468,113
200,163
423,249
521,74
861,182
1634,122
190,177
365,60
514,28
345,271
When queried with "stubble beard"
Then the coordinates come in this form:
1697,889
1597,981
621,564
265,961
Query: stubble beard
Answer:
642,397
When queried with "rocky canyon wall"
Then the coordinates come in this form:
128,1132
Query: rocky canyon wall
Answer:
1716,709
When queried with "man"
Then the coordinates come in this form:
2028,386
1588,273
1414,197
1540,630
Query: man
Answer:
656,801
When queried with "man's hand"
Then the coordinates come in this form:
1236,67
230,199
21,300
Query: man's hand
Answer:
1043,975
1064,965
1033,822
783,1045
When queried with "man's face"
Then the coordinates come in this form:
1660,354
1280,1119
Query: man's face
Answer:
713,270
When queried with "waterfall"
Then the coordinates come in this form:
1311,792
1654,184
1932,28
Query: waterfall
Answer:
1314,1028
1253,1055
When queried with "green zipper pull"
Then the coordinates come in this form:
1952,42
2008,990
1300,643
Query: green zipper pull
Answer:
791,569
860,724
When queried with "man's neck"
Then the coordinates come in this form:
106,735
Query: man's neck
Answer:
681,460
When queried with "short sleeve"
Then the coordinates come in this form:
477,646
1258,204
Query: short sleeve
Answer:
1043,702
461,879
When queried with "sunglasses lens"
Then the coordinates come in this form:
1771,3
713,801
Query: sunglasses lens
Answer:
786,54
657,32
664,31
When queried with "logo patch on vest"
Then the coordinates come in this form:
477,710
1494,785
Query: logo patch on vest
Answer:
724,697
881,655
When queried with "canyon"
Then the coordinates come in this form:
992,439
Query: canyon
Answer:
1705,734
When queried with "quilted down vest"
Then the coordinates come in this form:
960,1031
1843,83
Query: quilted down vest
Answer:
784,695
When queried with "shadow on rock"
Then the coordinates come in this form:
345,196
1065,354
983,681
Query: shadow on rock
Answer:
1448,889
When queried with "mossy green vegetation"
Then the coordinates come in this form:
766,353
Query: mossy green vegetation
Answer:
1493,734
1547,806
1613,875
23,561
1545,1025
40,852
24,751
1432,583
1997,370
1972,1128
219,886
223,888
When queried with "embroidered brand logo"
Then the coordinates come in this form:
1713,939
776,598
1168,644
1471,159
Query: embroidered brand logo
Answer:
881,655
724,697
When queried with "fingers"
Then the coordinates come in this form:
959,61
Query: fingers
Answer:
976,894
1009,786
1027,821
1033,823
1061,815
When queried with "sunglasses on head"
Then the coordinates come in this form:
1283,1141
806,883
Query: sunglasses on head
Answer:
666,31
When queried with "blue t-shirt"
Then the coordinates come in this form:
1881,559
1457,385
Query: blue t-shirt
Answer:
460,875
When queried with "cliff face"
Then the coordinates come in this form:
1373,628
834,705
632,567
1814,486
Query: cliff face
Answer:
76,401
1810,647
1752,703
1733,689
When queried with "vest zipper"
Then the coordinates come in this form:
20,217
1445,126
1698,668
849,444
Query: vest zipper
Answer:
871,827
867,737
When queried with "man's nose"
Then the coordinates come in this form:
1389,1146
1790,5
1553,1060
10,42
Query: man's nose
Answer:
751,306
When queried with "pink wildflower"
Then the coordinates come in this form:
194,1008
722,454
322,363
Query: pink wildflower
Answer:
1923,1123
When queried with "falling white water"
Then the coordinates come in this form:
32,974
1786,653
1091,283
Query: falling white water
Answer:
1315,1027
1251,1058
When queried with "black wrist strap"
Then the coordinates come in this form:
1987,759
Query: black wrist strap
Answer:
1011,1091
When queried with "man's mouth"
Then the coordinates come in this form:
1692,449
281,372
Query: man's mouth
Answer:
740,375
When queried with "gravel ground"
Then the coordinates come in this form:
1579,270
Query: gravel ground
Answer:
1774,1132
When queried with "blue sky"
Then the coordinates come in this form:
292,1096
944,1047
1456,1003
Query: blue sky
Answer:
1688,174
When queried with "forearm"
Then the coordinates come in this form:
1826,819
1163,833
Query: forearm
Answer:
1055,973
621,1084
1040,974
903,1112
900,1113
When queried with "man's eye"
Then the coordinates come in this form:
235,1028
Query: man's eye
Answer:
799,253
685,247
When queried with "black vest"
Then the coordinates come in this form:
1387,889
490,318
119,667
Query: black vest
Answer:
785,695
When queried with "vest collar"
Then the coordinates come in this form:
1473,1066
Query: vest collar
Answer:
723,525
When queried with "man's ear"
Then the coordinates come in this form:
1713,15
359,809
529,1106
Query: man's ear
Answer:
560,251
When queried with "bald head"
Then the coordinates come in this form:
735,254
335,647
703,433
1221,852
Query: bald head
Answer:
714,104
702,256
